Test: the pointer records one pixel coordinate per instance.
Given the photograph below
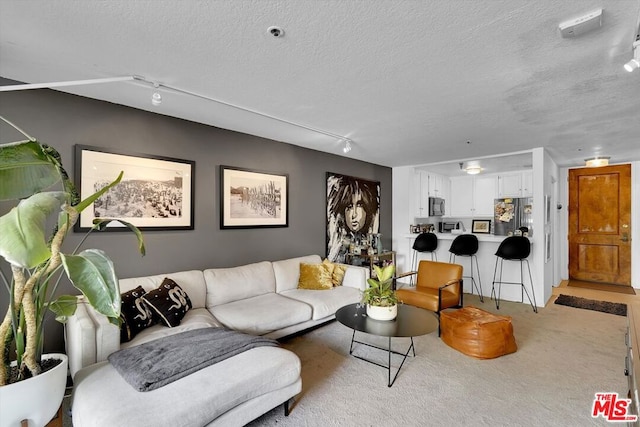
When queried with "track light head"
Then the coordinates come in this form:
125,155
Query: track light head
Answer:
347,146
156,98
632,65
635,62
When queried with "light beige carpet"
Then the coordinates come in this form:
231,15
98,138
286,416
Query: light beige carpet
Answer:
564,357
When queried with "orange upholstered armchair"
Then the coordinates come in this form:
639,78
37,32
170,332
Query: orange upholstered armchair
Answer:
438,286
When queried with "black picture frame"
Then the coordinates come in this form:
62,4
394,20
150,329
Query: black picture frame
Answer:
346,194
156,192
251,198
481,226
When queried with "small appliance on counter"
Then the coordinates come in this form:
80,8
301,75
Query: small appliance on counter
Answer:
447,227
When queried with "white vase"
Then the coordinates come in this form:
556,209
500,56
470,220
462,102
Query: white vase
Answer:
36,399
382,313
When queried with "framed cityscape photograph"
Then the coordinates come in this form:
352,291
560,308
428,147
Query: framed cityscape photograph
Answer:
155,193
252,199
481,226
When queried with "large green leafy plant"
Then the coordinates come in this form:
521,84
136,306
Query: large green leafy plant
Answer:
36,261
380,290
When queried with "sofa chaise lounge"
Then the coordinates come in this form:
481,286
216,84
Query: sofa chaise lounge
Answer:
260,299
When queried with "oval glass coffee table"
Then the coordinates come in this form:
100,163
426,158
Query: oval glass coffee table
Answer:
411,322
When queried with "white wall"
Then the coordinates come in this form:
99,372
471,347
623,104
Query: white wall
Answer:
635,224
401,214
549,180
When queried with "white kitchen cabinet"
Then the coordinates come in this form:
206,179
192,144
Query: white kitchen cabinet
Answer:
472,196
461,197
527,184
515,184
425,185
484,193
420,194
437,185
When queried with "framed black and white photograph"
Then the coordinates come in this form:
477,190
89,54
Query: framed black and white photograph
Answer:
156,193
251,199
481,226
353,212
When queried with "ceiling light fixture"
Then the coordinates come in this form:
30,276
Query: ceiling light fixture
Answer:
472,168
597,161
635,62
347,146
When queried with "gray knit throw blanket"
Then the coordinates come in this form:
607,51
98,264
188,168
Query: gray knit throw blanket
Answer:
156,363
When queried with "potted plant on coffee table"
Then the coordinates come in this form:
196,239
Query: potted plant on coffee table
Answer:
380,298
35,265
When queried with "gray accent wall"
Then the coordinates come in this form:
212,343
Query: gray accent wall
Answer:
62,120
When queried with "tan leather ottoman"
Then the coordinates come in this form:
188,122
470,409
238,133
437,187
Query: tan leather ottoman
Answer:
477,333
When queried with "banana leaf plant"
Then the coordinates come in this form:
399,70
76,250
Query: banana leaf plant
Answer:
29,173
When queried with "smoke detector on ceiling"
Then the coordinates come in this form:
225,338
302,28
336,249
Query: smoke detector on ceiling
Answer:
578,26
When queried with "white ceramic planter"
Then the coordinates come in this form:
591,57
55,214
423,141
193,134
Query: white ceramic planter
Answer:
382,313
36,399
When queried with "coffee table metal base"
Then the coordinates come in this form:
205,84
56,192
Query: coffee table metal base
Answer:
389,351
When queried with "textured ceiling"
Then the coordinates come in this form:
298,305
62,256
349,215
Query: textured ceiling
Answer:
410,82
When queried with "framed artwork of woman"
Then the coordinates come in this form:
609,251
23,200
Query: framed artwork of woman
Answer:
353,212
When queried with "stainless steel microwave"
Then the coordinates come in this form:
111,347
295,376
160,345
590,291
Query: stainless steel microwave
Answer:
436,206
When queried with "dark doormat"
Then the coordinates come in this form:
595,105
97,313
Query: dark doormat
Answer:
607,287
589,304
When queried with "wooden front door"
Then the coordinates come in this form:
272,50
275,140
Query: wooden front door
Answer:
600,224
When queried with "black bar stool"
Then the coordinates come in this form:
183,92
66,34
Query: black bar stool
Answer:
467,245
424,243
513,248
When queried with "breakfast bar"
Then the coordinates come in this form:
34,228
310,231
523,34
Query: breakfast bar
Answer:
487,246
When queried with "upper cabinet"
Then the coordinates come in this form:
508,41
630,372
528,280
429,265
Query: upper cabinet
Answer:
419,194
438,185
515,184
423,186
472,196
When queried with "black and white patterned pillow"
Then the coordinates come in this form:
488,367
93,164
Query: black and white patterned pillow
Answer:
169,302
134,314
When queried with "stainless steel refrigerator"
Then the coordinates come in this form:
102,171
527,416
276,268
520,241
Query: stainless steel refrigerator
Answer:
511,214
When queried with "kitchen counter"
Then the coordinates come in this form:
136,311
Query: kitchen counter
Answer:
487,246
451,236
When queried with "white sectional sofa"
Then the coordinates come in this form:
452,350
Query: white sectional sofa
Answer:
259,299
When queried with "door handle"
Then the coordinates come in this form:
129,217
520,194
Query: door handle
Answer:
625,237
